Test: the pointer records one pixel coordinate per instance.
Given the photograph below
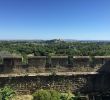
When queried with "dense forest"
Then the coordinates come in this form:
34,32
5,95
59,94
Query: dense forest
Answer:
54,47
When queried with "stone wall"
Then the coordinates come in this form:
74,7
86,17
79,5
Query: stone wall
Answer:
11,64
91,84
85,84
36,64
56,63
38,61
59,61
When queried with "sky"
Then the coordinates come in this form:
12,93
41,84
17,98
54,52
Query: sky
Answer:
55,19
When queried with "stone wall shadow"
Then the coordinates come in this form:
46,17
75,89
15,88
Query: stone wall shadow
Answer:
97,86
105,68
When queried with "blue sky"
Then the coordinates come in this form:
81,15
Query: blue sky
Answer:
50,19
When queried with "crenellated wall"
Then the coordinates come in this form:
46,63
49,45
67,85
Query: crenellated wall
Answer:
56,63
84,74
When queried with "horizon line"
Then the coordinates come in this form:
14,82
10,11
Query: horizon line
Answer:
54,39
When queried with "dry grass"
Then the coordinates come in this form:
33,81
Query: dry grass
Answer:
23,97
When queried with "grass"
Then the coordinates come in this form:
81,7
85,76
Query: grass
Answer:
23,97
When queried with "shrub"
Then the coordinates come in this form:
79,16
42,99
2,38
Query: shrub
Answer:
6,93
67,96
46,95
54,95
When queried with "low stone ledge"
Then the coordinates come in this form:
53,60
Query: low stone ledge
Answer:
48,74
